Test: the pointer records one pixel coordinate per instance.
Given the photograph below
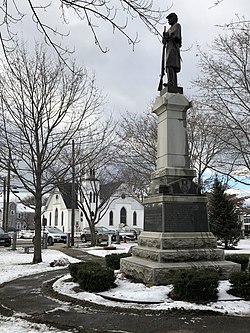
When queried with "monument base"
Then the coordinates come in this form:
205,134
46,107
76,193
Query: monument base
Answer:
159,255
176,213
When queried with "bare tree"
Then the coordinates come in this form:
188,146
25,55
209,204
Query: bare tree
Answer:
92,13
136,147
136,150
224,90
94,201
205,146
44,106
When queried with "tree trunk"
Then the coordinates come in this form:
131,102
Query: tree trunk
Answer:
38,227
93,234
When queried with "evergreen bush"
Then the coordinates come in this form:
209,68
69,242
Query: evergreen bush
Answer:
195,285
223,215
75,267
113,260
91,276
240,284
242,259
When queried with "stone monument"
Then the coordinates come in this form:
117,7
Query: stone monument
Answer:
176,226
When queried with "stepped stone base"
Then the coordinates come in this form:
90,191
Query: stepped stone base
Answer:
159,255
154,273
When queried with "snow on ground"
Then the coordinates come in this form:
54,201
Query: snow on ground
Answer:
15,264
17,325
138,292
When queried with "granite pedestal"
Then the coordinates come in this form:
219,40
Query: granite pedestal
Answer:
176,235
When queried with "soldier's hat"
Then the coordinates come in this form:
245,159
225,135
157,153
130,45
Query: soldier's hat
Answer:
172,15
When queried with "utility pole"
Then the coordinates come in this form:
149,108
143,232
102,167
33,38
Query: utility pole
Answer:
4,204
7,208
73,195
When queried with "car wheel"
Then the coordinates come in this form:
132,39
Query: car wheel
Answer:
83,238
50,241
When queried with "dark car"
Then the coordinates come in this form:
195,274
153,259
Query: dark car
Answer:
102,232
5,239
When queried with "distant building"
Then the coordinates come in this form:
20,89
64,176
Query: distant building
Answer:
20,216
246,225
119,206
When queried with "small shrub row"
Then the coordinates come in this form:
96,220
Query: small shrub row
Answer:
242,259
113,260
195,285
91,276
240,284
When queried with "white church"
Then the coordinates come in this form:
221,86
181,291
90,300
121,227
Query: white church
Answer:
119,207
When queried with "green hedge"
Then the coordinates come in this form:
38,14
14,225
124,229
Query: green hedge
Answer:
195,285
92,277
242,259
113,260
74,268
240,284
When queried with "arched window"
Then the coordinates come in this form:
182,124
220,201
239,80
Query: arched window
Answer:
134,218
56,217
50,218
62,218
111,218
123,216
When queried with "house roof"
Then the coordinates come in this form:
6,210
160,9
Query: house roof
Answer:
66,193
107,190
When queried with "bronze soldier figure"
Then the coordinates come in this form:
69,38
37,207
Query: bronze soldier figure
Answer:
172,40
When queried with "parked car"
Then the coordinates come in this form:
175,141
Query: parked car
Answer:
54,235
26,234
136,231
126,234
5,239
102,232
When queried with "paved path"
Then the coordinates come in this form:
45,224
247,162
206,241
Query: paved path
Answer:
31,296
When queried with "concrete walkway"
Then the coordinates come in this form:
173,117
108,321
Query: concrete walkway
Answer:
31,296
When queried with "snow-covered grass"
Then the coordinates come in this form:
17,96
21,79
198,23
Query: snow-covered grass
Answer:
138,292
14,264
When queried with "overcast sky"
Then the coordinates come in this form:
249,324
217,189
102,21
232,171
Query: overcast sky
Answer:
130,78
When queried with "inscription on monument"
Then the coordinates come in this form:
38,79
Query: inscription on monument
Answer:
153,217
185,217
176,217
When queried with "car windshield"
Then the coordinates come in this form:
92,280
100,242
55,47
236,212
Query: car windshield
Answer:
1,231
54,231
102,229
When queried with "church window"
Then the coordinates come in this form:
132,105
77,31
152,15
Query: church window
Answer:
56,217
111,218
134,218
123,216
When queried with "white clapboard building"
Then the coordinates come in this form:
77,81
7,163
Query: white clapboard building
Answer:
121,207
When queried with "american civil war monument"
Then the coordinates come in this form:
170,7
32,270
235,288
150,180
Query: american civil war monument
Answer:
176,225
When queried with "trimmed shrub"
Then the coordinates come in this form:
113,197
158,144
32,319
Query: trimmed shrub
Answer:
92,277
240,284
96,279
242,259
113,260
76,267
195,285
